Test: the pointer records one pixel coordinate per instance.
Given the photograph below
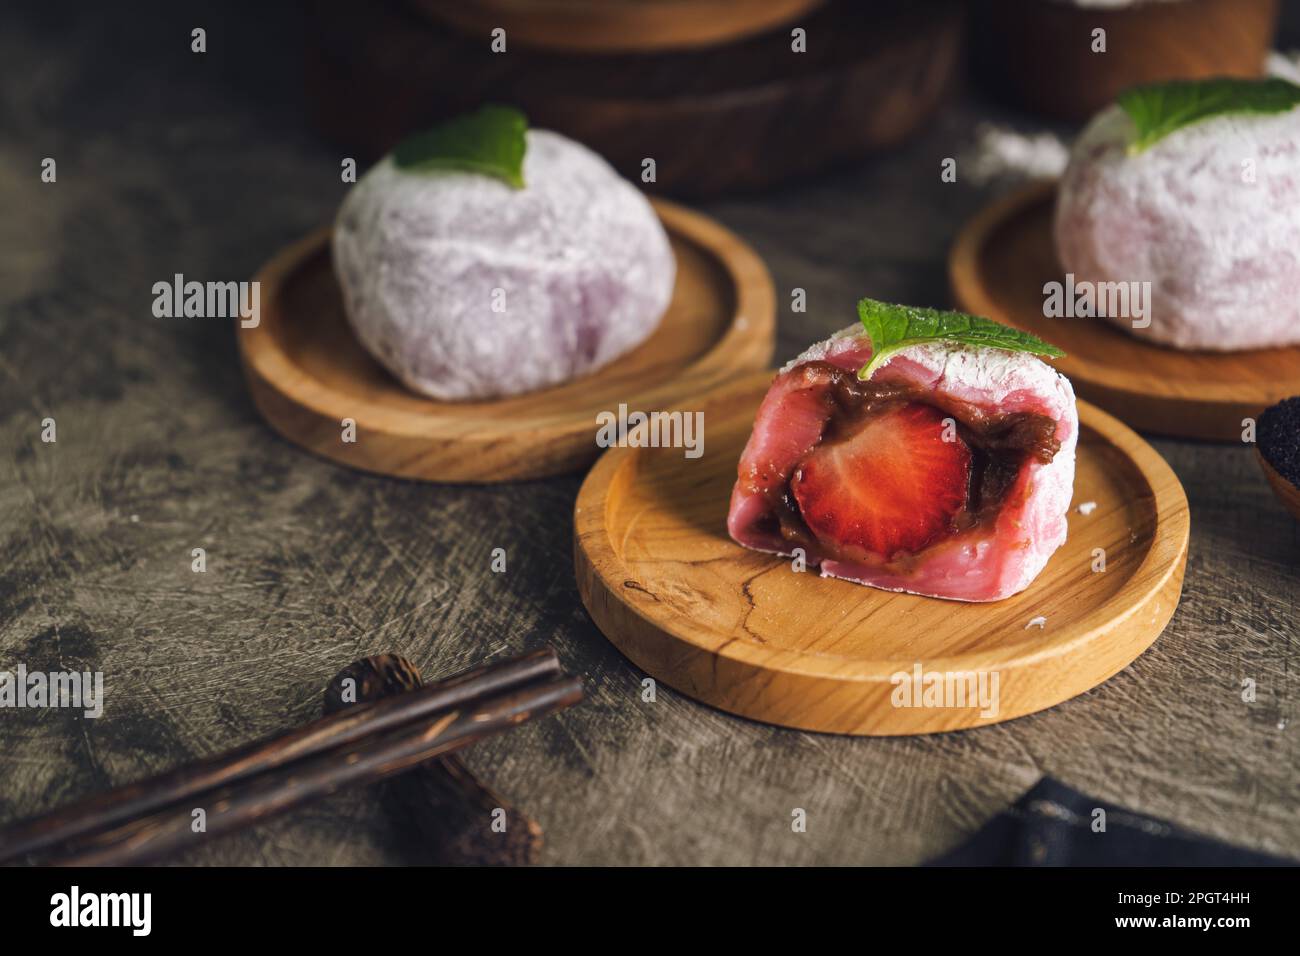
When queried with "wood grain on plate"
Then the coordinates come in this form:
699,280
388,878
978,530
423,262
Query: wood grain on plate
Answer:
308,373
743,631
998,267
597,26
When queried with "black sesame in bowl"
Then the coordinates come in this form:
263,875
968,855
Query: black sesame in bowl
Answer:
1278,446
1278,438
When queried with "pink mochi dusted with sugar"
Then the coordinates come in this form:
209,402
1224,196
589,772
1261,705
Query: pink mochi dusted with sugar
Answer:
981,550
465,287
1222,252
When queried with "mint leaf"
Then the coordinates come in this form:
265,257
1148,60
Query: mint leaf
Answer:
490,141
894,327
1161,108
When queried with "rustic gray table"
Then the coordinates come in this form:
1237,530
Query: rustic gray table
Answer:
170,162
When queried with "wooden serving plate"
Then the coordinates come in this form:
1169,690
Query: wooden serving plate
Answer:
744,632
742,116
307,372
998,267
1041,53
599,26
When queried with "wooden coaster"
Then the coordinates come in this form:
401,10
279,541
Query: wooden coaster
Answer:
998,267
307,372
745,632
602,26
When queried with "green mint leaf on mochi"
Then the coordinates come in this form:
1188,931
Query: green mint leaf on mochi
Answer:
490,141
1161,108
895,327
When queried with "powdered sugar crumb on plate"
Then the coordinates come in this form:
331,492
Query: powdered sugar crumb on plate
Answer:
999,151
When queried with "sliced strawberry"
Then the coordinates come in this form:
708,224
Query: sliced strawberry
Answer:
894,485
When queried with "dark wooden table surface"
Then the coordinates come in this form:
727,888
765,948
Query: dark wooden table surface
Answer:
203,164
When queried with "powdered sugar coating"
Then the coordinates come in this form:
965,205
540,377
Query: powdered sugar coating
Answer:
985,564
1222,254
995,378
577,258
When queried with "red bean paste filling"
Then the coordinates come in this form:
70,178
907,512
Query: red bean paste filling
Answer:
1000,445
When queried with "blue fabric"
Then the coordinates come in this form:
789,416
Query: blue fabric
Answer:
1053,825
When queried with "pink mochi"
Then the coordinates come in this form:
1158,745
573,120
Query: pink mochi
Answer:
1209,215
984,563
465,287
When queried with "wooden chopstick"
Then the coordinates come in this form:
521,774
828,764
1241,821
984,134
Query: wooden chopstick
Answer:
442,801
347,728
269,794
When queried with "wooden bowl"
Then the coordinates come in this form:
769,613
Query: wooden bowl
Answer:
307,372
1039,52
745,632
1278,425
715,120
1286,492
603,26
997,268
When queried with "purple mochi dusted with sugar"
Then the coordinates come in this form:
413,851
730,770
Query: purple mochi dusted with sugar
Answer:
465,287
1221,251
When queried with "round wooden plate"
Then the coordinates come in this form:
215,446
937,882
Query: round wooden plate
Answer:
1041,54
308,373
998,267
601,26
745,632
716,120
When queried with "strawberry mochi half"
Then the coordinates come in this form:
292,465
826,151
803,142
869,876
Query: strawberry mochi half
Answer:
948,474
